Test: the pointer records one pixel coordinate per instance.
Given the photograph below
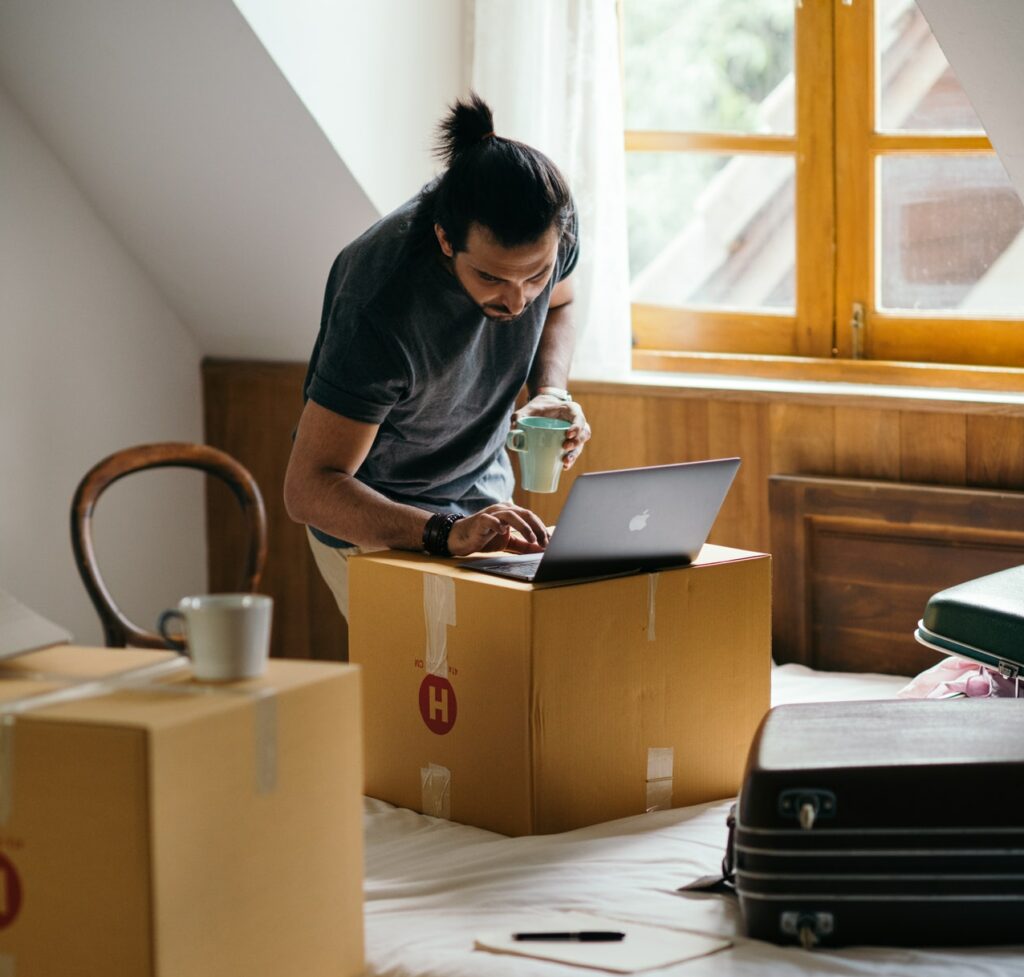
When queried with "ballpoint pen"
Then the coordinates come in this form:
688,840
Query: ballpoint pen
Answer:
583,936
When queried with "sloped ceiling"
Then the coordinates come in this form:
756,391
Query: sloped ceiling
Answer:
376,77
189,142
983,41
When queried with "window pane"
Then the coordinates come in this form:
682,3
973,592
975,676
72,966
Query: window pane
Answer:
917,87
950,235
709,65
711,230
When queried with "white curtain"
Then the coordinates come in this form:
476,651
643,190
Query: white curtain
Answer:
549,69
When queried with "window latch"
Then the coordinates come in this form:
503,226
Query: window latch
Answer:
857,331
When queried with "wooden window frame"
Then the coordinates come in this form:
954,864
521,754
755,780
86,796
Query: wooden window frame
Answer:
836,213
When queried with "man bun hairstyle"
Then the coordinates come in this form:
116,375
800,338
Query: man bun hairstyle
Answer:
512,189
466,125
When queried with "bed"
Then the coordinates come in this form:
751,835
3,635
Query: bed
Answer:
432,886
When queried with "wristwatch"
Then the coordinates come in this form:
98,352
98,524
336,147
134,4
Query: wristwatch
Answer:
558,393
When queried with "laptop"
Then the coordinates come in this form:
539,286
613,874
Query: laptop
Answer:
622,522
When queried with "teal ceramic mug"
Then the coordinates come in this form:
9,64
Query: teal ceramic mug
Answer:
538,442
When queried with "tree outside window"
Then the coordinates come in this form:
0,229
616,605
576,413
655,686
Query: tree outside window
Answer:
754,230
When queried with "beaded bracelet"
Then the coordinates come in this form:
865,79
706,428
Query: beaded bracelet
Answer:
436,532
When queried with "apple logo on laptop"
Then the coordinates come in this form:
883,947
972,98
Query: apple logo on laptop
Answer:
640,521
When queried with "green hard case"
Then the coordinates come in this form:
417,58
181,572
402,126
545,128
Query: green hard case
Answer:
982,619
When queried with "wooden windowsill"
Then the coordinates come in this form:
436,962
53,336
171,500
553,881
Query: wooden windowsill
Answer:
870,373
837,383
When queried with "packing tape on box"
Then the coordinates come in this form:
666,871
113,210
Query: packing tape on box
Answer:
136,680
264,703
436,791
439,614
652,591
7,965
6,769
265,743
659,778
84,690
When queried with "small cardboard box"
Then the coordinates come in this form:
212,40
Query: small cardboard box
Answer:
528,709
151,826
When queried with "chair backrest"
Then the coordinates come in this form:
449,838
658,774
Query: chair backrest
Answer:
118,630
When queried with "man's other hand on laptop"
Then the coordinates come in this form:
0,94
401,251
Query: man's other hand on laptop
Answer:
504,526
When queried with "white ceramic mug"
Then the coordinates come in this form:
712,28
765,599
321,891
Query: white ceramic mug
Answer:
227,636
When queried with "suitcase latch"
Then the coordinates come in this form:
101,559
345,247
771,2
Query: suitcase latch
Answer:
807,805
1008,669
807,927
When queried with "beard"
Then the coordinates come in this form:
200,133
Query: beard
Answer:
498,313
491,312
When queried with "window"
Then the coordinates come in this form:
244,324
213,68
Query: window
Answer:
806,178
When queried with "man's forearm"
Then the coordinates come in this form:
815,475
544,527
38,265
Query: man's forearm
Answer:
554,354
342,506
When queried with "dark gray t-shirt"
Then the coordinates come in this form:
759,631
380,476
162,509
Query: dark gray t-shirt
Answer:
403,346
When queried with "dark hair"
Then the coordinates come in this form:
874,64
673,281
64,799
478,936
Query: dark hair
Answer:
510,188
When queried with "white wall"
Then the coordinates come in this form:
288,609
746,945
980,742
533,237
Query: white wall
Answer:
91,360
376,77
165,194
190,142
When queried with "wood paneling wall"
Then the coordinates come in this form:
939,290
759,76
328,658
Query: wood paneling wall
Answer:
251,409
937,442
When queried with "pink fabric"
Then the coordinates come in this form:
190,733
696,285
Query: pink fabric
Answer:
959,676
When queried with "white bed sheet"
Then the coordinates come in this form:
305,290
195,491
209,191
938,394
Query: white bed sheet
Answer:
432,885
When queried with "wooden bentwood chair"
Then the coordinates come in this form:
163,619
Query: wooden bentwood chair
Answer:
118,630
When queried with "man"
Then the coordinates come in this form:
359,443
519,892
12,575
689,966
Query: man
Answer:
433,321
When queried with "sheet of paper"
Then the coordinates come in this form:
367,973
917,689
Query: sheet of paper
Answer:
643,948
22,629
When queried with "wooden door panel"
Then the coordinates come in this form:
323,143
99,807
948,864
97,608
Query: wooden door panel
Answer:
856,561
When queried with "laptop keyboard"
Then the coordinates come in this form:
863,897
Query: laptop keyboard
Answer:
524,569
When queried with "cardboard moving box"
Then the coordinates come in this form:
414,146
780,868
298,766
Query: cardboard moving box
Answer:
527,709
172,829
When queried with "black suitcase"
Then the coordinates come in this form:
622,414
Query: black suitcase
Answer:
895,822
